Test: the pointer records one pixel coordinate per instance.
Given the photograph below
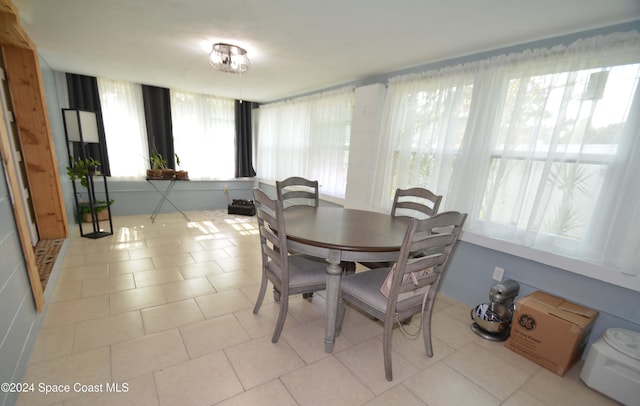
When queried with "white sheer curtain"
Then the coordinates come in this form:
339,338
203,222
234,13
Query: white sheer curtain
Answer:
541,148
124,126
307,137
204,134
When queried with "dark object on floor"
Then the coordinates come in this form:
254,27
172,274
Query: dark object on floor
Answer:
242,207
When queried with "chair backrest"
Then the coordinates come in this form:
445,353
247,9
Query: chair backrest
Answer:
434,238
415,202
273,238
295,191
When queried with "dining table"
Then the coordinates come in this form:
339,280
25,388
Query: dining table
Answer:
342,235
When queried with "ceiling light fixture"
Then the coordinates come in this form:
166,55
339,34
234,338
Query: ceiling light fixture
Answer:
229,58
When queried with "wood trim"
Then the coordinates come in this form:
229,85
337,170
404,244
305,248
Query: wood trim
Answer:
11,33
20,215
29,108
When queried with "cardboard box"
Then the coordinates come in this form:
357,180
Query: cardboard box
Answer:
550,330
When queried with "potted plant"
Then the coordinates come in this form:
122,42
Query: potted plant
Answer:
157,165
181,174
80,170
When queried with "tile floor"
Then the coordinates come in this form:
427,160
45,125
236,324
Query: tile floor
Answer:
161,314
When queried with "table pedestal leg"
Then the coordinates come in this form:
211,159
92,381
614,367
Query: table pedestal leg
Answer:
334,274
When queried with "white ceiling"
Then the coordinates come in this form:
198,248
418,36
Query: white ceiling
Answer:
295,46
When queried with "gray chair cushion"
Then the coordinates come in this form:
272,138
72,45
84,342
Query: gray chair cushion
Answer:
306,271
365,287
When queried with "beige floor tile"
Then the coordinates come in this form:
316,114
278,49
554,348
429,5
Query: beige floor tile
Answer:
326,382
189,271
490,372
272,393
126,245
252,291
144,252
135,265
65,291
188,288
521,398
307,310
413,350
450,330
398,395
107,257
441,385
136,299
90,367
553,389
209,255
75,257
171,315
157,277
147,354
108,330
73,311
84,273
358,327
499,350
202,381
140,391
174,260
212,335
365,360
259,361
96,287
264,322
237,263
162,240
308,341
217,304
52,343
459,311
231,280
211,244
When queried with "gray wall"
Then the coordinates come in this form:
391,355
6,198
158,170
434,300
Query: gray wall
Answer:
18,318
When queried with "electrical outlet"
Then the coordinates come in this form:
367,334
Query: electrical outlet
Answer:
226,189
498,274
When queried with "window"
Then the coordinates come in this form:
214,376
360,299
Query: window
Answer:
204,134
124,126
307,137
540,148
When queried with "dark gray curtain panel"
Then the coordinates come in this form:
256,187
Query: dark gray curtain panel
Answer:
244,148
83,95
157,113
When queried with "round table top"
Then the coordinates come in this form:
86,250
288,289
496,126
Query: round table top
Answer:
345,229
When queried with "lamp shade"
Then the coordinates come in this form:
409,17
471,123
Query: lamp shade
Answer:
80,126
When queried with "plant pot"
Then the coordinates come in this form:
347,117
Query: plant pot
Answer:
168,173
101,215
154,173
182,175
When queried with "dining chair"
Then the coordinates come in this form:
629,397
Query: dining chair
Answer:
289,274
415,202
296,190
410,203
414,280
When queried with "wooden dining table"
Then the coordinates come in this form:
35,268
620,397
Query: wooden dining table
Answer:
342,235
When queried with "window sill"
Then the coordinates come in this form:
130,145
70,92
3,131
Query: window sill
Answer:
576,266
